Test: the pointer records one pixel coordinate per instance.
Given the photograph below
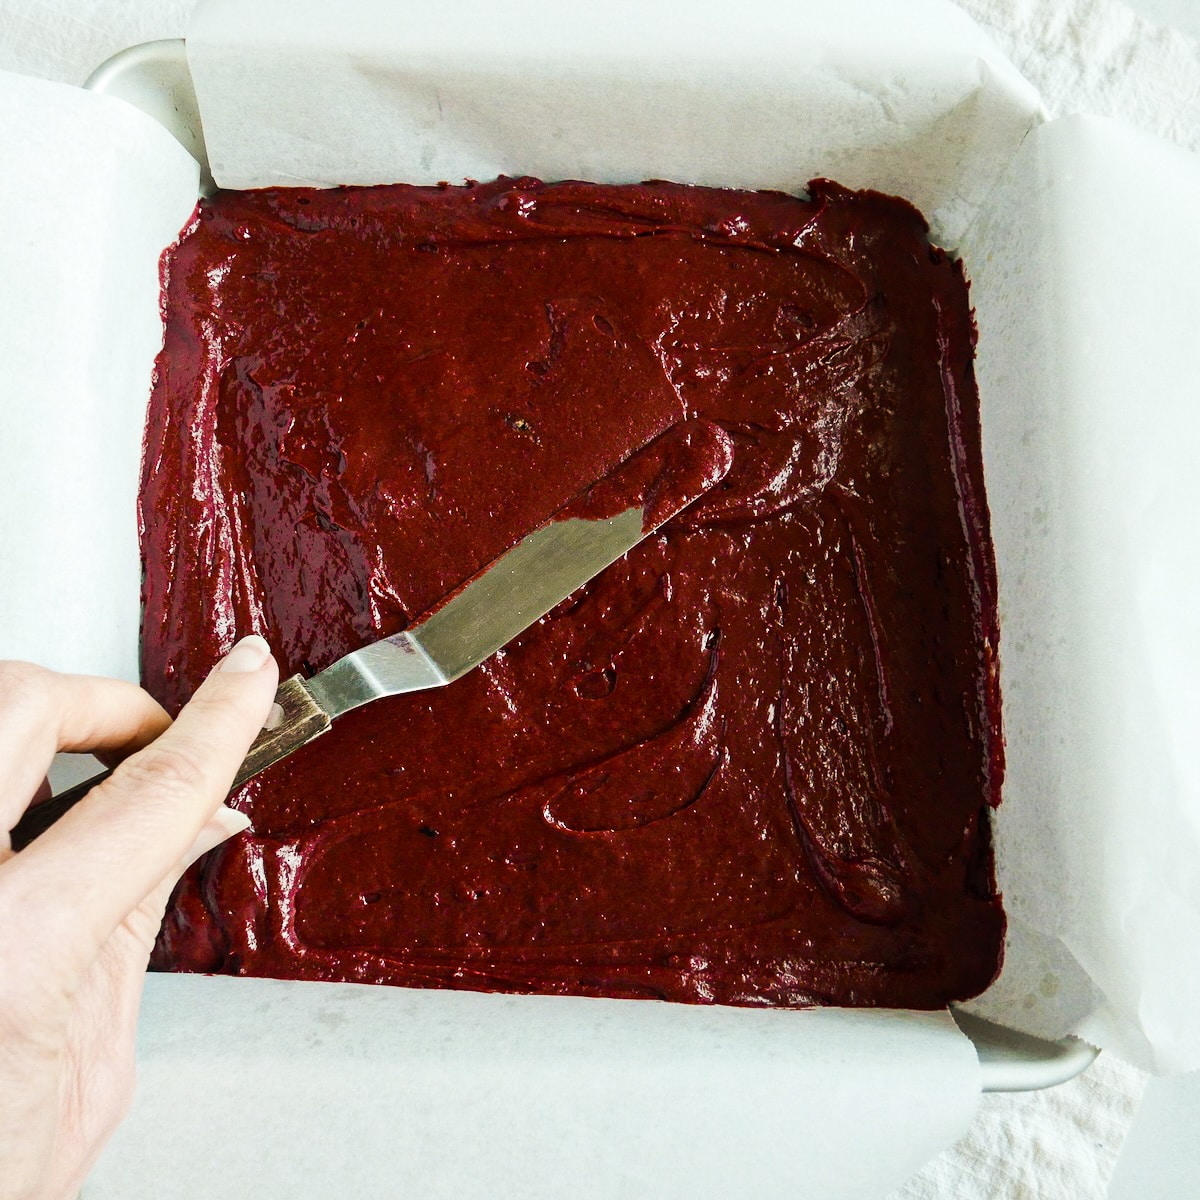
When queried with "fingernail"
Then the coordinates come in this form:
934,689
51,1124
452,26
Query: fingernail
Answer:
222,825
248,655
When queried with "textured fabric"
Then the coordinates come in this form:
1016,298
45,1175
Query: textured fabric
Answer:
1098,56
1084,56
1059,1144
67,39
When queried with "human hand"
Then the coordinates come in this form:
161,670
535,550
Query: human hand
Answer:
80,907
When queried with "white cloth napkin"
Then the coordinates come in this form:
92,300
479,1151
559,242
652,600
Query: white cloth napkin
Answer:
67,39
1101,57
1058,1144
1084,56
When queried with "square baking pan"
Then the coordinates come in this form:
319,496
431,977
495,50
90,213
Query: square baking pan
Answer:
155,78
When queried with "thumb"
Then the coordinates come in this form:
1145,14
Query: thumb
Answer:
135,829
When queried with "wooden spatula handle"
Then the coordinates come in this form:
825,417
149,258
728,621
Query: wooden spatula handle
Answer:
40,817
299,719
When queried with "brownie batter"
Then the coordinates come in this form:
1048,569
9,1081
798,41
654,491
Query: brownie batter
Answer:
751,763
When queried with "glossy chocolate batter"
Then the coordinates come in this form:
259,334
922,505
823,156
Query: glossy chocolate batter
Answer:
751,763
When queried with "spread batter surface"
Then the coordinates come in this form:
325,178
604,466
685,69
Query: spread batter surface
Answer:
751,762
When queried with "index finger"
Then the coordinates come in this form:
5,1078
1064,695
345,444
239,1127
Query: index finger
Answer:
84,875
42,712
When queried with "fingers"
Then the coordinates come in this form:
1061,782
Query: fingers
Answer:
91,869
42,712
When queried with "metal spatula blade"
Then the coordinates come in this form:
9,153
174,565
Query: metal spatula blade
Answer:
502,601
515,591
491,609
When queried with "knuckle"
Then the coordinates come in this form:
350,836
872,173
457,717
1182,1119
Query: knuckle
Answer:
22,684
171,771
16,674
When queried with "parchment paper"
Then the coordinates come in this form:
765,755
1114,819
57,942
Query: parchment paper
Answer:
343,1090
90,193
1084,275
910,98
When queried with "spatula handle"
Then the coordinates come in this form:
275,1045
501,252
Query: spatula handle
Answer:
40,817
299,720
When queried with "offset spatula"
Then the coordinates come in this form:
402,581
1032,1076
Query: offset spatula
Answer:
469,626
503,600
